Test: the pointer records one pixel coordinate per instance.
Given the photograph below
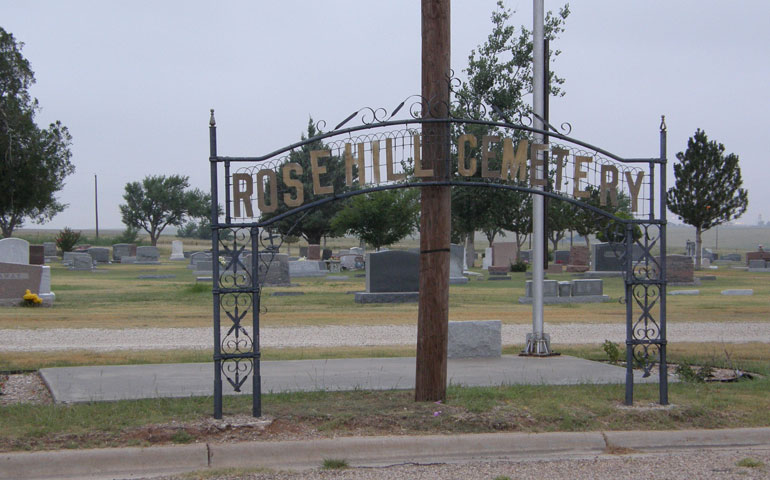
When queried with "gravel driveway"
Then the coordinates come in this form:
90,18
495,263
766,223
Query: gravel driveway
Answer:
96,339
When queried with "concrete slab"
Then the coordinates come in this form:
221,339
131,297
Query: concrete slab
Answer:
128,382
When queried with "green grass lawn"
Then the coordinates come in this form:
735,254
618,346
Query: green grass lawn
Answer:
115,297
536,408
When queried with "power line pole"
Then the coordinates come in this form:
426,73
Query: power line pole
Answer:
435,220
96,206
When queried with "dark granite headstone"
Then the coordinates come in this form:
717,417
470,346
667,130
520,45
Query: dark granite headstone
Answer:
393,271
326,254
561,257
608,257
303,252
36,255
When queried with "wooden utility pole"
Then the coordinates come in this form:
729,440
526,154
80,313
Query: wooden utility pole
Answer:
435,220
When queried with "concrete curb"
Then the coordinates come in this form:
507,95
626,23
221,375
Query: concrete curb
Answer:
399,449
98,463
301,454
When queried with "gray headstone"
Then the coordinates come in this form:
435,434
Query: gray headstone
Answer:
49,249
456,258
732,257
147,255
351,261
525,255
14,250
739,291
550,288
99,254
565,289
67,258
120,250
127,259
196,257
203,268
177,250
588,286
307,268
684,292
393,271
82,261
474,339
273,269
758,263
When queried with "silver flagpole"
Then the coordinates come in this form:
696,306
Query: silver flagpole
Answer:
538,343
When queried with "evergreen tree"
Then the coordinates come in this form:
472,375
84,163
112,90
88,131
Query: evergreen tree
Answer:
708,189
315,224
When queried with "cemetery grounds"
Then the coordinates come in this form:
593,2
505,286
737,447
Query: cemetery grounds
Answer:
113,298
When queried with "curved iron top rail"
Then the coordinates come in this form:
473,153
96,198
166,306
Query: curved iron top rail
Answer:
390,123
395,186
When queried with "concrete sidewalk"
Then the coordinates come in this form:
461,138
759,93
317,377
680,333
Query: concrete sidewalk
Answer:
86,384
133,462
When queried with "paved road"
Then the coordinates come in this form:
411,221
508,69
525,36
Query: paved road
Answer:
20,340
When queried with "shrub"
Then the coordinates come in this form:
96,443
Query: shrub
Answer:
519,266
612,350
687,374
66,239
129,235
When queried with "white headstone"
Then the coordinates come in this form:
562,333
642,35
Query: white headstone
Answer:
177,250
14,250
487,259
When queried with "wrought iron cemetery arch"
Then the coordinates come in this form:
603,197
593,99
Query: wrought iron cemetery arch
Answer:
237,287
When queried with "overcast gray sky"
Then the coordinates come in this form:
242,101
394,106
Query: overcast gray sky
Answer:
134,81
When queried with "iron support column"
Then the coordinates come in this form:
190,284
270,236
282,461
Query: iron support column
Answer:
663,279
215,267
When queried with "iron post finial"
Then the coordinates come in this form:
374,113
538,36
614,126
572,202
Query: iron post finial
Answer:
212,122
662,123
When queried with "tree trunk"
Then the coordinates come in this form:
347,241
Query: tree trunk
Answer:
698,245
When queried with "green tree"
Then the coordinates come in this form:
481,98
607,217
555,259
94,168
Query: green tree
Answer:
35,161
379,218
499,75
160,201
708,189
312,225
